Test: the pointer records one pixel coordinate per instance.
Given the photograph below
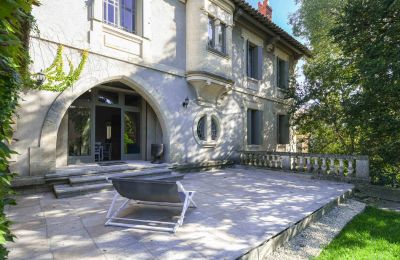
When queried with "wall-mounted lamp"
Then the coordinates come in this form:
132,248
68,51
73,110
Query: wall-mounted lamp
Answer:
185,103
40,78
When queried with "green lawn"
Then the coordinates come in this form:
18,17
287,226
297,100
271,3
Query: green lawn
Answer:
373,234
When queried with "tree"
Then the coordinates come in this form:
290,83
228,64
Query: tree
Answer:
348,101
368,33
319,100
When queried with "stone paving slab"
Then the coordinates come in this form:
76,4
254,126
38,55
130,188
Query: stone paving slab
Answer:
238,209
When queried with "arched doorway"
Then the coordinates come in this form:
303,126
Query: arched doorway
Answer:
110,122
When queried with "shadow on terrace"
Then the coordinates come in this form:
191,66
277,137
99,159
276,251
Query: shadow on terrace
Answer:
238,209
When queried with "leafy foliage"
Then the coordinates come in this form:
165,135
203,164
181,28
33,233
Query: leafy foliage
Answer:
56,78
348,101
15,21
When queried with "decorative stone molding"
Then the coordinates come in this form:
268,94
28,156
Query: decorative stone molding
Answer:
208,87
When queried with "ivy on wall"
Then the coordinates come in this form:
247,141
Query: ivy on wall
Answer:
56,79
15,24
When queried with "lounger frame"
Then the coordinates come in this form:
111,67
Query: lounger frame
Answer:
114,220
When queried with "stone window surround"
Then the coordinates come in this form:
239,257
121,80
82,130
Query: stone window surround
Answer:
221,12
255,105
209,114
283,56
248,82
218,24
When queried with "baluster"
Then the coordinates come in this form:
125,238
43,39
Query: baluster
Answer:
242,158
341,167
268,161
350,168
308,164
301,164
255,159
279,164
316,165
294,162
332,166
260,160
249,159
324,167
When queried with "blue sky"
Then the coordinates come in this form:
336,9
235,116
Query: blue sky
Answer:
281,9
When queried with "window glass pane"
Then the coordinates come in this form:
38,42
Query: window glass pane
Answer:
214,129
201,131
132,133
78,131
211,29
132,100
107,97
254,127
251,61
127,15
111,14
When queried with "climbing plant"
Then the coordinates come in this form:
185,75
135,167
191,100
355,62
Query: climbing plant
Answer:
56,79
15,24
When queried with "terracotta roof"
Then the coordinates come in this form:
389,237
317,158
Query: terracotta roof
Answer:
272,26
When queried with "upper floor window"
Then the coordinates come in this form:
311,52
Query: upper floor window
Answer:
282,73
120,13
216,35
254,57
283,129
254,127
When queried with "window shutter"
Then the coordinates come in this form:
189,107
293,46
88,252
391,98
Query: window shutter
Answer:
259,116
249,130
146,18
278,80
259,62
286,74
247,58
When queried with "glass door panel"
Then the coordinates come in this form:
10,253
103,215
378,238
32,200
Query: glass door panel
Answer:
79,131
131,132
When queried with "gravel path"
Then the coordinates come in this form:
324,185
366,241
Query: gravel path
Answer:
314,238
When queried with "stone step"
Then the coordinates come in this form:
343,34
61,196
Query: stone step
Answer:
66,191
100,184
101,178
65,173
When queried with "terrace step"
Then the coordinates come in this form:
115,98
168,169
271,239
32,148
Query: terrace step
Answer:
101,178
80,185
62,175
66,191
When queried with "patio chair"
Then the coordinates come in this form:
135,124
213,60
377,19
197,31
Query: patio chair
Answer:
164,193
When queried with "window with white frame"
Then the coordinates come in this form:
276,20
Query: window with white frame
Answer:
282,73
254,127
216,35
121,14
283,129
254,60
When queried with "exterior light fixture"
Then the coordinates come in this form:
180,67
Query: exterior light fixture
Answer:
40,78
185,103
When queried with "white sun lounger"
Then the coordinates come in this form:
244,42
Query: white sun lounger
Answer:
163,193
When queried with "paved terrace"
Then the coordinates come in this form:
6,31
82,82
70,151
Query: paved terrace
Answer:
238,209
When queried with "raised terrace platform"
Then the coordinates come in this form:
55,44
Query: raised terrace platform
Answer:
242,212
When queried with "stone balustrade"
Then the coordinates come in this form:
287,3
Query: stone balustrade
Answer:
324,166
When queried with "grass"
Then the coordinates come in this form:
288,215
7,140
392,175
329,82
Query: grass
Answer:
373,234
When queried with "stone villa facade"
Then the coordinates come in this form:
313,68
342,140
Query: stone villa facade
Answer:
206,78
